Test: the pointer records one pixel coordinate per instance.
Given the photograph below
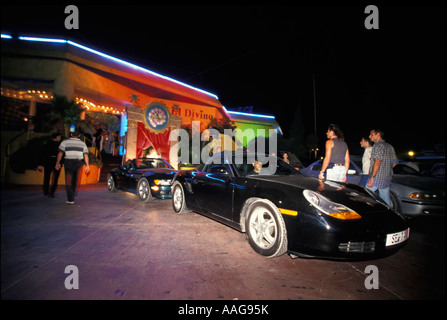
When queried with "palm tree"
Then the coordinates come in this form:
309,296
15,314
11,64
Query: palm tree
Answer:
63,113
134,99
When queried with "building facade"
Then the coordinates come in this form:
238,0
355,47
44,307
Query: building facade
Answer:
149,105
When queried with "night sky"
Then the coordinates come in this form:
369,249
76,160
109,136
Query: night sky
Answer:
267,56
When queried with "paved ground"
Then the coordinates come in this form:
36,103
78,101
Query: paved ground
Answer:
126,249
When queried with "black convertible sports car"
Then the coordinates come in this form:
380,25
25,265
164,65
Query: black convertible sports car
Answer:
149,178
288,212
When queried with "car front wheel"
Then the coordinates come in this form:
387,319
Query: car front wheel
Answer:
144,190
265,229
111,186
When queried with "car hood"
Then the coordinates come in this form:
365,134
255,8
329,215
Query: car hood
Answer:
353,196
160,171
419,182
297,180
326,188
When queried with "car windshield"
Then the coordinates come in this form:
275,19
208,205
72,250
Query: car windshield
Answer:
267,165
151,163
404,169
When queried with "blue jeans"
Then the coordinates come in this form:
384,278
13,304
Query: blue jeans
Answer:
383,193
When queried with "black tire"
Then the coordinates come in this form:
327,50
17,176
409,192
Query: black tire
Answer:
265,229
144,190
111,185
178,198
395,202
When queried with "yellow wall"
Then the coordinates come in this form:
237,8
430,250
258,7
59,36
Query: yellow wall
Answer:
34,177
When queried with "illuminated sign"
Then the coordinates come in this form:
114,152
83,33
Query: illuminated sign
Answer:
190,113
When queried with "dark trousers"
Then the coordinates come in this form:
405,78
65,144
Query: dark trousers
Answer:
71,177
50,177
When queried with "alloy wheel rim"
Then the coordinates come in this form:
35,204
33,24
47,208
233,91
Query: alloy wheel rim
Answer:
177,198
110,183
143,190
263,228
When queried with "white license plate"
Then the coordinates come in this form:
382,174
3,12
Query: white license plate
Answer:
398,237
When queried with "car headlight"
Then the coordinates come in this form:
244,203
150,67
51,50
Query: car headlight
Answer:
162,182
424,196
330,208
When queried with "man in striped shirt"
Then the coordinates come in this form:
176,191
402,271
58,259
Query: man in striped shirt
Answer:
75,150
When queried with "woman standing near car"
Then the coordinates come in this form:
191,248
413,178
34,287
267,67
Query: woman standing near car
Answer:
336,159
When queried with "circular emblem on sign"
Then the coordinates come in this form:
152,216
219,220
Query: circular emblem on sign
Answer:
156,117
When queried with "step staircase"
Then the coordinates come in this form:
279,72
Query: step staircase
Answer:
109,162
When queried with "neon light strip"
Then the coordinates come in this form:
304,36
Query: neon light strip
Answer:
116,60
43,39
6,36
249,114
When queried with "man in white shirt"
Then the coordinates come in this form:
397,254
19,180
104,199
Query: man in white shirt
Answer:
75,150
366,159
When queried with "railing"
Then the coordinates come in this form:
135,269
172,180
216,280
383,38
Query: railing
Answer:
8,151
96,151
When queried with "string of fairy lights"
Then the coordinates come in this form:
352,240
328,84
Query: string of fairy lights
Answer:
47,96
90,106
26,94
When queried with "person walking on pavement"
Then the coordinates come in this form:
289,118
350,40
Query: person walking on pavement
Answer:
75,150
336,157
47,164
383,159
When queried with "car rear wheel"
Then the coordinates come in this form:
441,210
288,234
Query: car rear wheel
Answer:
178,198
144,190
265,229
111,185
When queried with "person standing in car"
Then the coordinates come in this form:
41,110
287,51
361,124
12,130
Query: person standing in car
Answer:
336,159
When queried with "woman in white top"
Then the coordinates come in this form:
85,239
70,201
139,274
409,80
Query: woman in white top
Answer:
366,159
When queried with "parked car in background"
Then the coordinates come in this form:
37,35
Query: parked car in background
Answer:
428,165
149,178
285,211
438,170
412,193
